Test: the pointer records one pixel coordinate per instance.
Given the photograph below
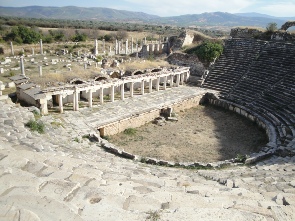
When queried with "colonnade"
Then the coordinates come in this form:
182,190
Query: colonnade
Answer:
181,76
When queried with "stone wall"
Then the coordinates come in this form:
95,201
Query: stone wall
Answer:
184,39
283,36
144,118
244,33
134,121
196,67
187,104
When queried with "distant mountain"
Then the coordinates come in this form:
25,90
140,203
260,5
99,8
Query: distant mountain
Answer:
72,12
219,19
113,15
254,14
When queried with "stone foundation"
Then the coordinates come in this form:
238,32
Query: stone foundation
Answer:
141,119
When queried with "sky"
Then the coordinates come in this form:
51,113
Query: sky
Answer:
279,8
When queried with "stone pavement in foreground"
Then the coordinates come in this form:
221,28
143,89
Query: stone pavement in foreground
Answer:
54,176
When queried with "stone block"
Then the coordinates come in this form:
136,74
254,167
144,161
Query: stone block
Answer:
173,119
10,84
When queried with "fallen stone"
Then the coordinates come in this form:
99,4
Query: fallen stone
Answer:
173,119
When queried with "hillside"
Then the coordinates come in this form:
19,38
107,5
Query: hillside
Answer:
72,12
113,15
219,19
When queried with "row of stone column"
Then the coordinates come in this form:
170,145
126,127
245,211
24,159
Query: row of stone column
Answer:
33,50
180,78
119,46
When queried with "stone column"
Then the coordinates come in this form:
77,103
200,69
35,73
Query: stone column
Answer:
95,48
101,95
110,49
90,98
40,71
103,45
171,81
132,45
76,100
122,91
112,93
116,47
41,47
158,84
33,51
61,108
165,82
22,66
119,47
137,50
126,47
142,87
187,75
11,48
151,86
145,40
181,78
43,106
85,66
177,80
131,89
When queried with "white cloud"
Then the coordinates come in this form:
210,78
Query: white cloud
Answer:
282,9
181,7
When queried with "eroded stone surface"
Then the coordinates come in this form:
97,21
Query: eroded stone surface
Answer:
67,180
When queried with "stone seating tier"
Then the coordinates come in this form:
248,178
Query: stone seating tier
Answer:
262,82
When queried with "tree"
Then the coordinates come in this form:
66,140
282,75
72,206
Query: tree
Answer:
79,36
271,27
22,34
121,34
207,51
58,35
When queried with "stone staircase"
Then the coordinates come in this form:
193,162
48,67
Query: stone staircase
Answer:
235,61
266,88
51,176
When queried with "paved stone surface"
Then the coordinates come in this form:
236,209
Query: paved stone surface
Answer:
113,111
54,176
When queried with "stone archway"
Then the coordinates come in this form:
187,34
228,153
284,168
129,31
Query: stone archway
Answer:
287,25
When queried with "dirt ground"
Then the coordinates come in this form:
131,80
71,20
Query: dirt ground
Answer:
201,134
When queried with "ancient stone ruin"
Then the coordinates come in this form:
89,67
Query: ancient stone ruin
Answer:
66,174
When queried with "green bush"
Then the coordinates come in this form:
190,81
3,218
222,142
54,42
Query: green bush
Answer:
36,126
130,131
22,34
207,51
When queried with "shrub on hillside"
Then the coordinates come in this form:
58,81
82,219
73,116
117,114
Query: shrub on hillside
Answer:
207,51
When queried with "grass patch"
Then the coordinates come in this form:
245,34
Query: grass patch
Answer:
56,124
130,131
36,126
153,216
105,137
37,115
241,158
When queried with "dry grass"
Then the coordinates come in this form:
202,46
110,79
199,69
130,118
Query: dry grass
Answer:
91,32
202,35
251,27
144,64
52,78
